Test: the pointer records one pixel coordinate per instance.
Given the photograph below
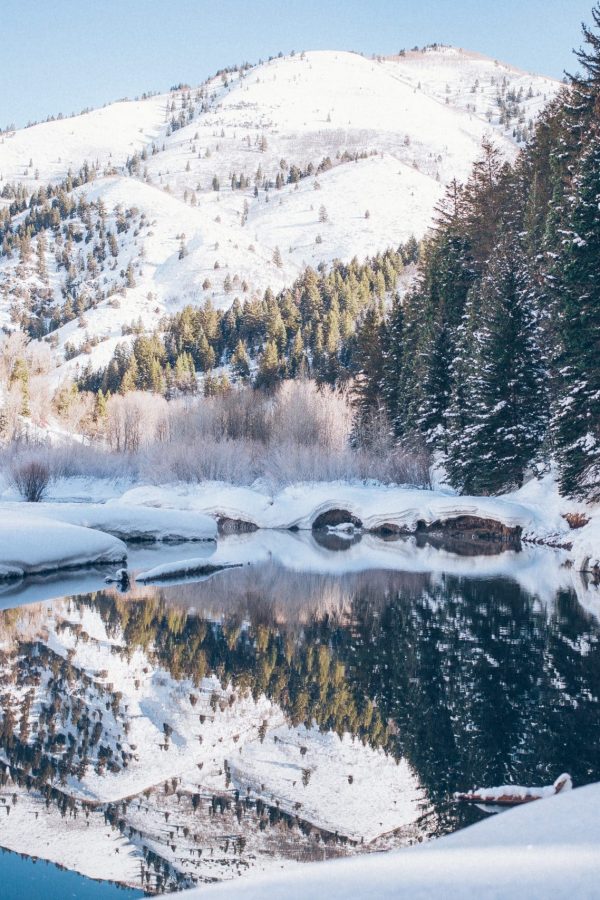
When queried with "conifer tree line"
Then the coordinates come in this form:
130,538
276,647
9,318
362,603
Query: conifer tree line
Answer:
493,359
311,329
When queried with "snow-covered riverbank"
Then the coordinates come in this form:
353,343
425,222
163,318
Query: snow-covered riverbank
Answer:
536,512
181,512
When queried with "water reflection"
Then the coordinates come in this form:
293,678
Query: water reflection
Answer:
24,878
220,725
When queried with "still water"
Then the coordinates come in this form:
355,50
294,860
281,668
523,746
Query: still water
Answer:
316,701
23,878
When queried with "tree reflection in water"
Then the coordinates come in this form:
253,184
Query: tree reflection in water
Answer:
474,681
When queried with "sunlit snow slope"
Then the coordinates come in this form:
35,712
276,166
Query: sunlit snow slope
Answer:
373,142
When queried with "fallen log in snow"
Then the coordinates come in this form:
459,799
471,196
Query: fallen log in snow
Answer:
183,568
513,794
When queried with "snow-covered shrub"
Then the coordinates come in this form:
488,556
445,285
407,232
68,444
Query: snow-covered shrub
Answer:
394,466
31,478
136,421
304,414
68,460
89,461
301,432
206,459
287,462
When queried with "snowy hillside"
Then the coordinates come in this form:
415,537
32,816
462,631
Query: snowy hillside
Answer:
46,152
217,192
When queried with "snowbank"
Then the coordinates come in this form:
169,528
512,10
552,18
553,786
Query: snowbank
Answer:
539,851
125,521
299,506
32,543
537,509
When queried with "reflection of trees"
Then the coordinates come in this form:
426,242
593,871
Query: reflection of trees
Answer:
294,664
484,686
470,679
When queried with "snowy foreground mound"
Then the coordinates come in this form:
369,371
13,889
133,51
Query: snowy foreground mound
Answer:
35,543
547,849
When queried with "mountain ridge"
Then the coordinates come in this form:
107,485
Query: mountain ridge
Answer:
238,185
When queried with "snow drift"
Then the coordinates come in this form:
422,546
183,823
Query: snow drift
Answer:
33,543
128,522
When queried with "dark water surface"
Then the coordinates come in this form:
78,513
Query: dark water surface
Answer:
476,676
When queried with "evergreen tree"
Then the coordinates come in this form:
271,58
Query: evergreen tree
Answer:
576,422
368,394
269,370
184,376
298,363
129,381
502,391
100,407
20,376
392,360
240,363
206,354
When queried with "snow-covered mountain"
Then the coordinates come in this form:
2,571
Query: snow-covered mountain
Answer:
221,191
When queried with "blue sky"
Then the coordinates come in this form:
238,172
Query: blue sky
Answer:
63,55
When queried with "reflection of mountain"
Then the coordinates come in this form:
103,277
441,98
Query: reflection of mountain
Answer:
165,729
205,729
